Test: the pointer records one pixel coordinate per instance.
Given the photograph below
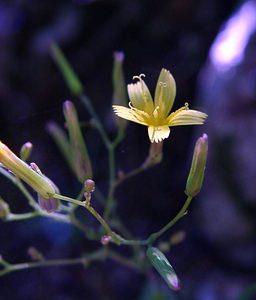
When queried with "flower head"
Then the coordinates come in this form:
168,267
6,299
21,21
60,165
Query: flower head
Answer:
156,113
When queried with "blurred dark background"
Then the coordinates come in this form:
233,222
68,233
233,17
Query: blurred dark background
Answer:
217,260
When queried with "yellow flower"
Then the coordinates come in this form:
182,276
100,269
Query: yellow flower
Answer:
156,114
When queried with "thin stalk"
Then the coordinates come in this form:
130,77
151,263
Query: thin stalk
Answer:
92,112
115,238
25,192
110,198
25,216
84,260
123,260
68,199
179,215
119,240
17,182
129,175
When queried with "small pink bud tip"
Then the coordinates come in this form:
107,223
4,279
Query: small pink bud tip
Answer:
89,185
174,282
119,56
105,239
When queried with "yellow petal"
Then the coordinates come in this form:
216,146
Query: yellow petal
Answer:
129,114
185,116
165,92
140,96
158,133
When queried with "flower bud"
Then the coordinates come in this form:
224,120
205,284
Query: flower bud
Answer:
119,87
105,240
4,209
155,154
67,71
178,237
25,151
80,157
61,140
196,174
39,183
50,205
35,254
162,265
89,185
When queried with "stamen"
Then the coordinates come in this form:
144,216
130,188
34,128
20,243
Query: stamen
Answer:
139,76
140,112
130,105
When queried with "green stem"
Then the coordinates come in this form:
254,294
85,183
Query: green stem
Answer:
129,175
180,214
25,216
110,198
85,260
111,152
25,192
122,260
68,199
17,182
92,112
115,238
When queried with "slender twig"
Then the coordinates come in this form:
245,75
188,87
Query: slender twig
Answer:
16,181
110,198
115,237
84,260
179,215
87,103
129,175
123,260
119,239
19,217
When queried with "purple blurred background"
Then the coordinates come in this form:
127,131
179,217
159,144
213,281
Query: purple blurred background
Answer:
209,46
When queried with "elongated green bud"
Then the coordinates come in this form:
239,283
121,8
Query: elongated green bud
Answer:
196,174
67,71
25,151
60,138
119,86
22,170
80,157
164,268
